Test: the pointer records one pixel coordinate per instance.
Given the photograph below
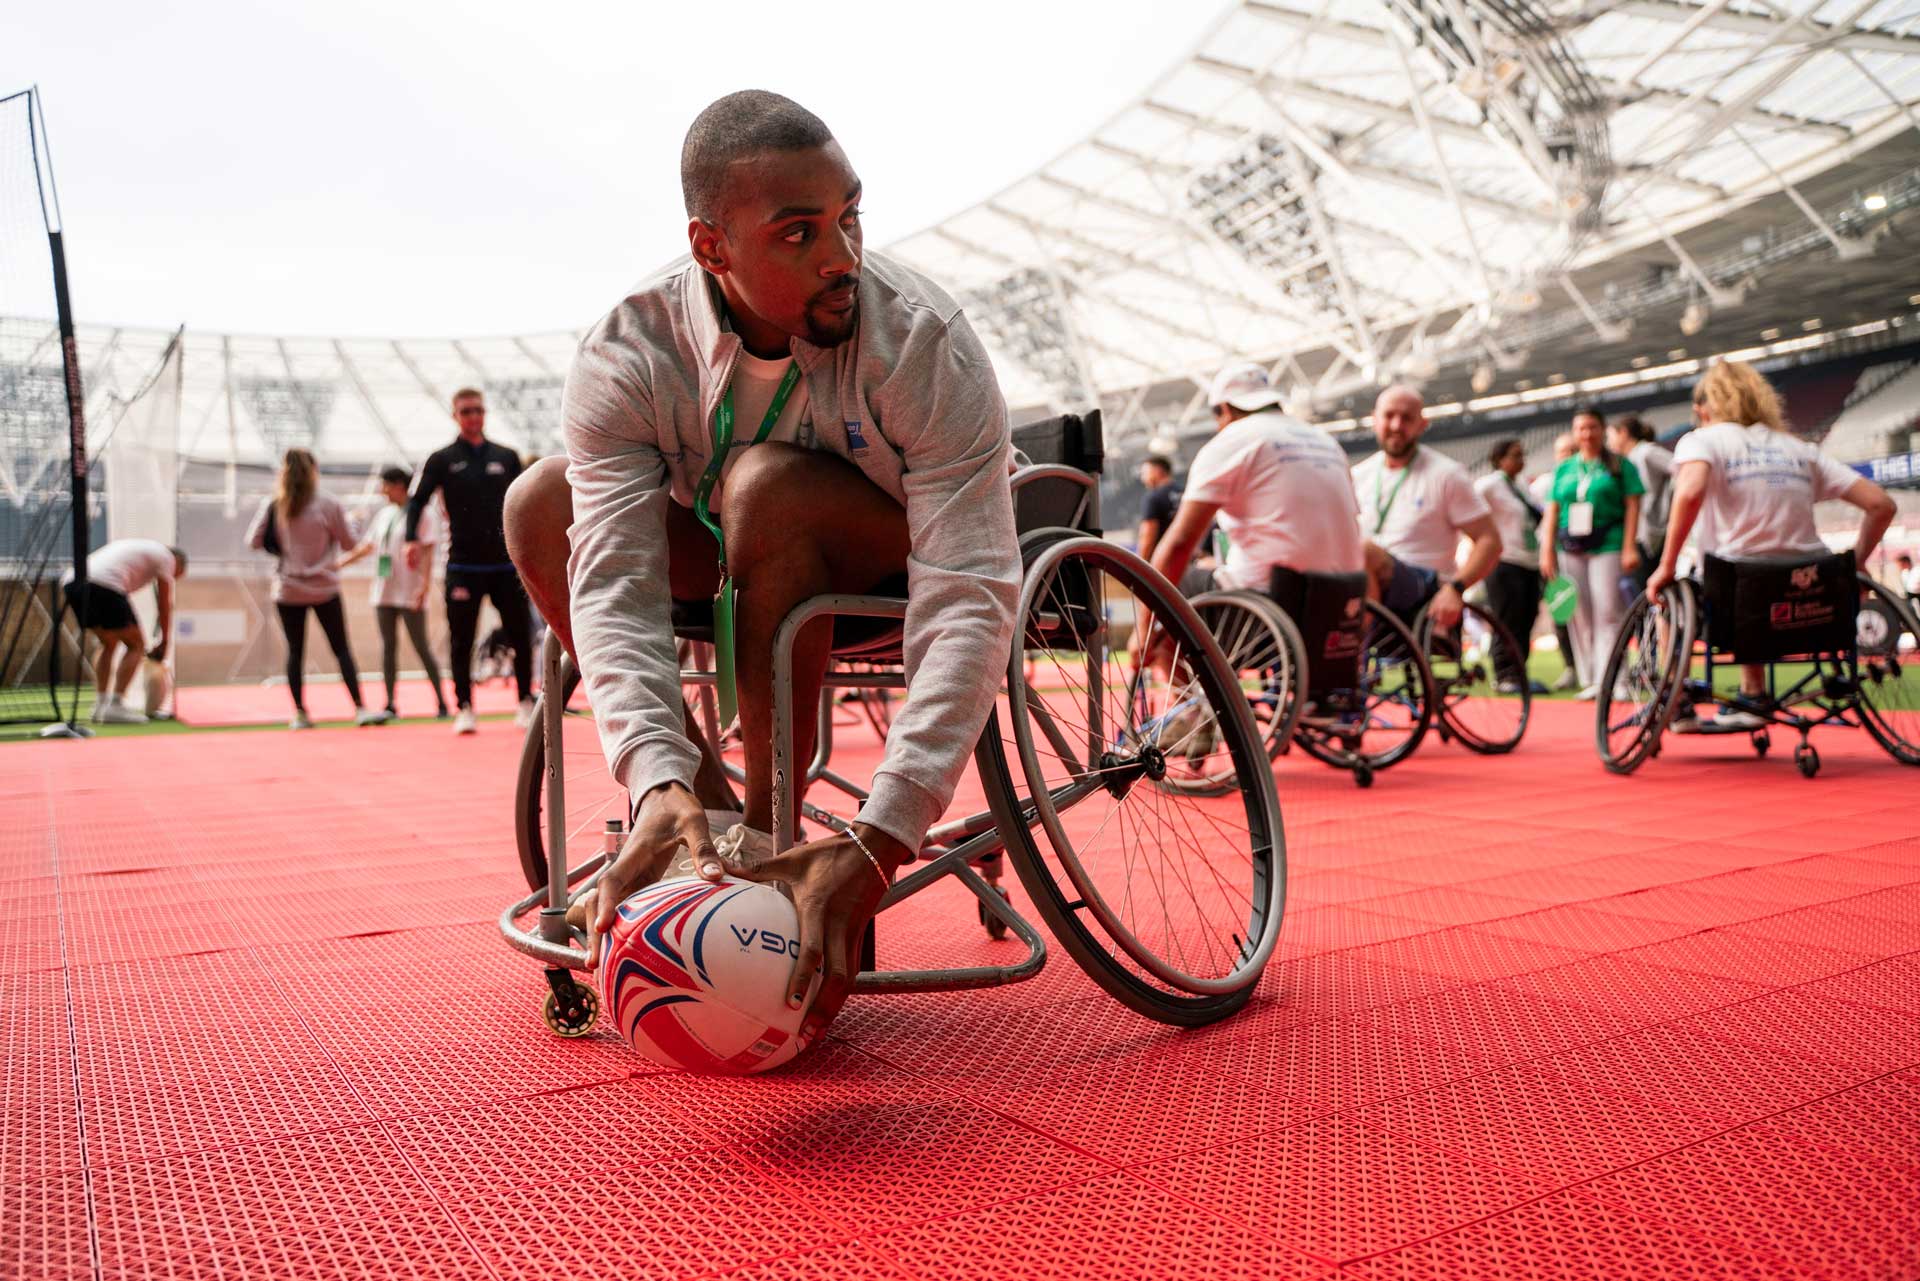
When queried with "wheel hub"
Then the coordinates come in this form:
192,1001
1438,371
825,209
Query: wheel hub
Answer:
1118,774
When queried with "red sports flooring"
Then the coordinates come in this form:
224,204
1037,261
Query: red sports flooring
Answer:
326,700
1527,1020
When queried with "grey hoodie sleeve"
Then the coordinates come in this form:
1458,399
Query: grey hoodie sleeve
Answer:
617,575
943,410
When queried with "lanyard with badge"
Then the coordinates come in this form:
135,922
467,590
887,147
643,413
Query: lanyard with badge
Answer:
1580,511
383,568
724,685
1381,507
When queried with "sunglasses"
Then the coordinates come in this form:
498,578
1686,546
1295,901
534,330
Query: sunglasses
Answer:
471,411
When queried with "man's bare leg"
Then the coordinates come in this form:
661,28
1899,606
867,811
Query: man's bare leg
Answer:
103,665
129,662
539,510
799,523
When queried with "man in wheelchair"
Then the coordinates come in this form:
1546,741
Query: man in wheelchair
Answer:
1751,486
783,415
1416,506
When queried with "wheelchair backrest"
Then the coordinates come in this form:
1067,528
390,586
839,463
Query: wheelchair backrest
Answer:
1330,611
1764,611
1057,482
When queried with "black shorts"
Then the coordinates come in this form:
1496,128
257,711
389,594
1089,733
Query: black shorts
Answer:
104,608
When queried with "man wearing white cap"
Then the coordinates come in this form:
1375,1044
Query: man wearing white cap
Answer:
1415,507
1279,488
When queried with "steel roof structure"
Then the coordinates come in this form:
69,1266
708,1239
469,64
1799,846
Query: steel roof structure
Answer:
1356,190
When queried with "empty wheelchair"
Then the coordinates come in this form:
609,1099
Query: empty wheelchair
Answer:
1326,668
1482,696
1172,902
1839,649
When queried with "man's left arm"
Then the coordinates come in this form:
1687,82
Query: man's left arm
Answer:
943,409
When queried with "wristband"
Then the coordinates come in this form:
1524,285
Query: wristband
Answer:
862,846
1459,587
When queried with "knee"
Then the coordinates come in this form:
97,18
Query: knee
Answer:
765,489
539,509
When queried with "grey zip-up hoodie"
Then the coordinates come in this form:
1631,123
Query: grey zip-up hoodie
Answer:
910,399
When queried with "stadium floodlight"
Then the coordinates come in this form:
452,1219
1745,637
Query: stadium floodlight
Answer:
1254,202
1482,380
1874,203
1025,316
1694,318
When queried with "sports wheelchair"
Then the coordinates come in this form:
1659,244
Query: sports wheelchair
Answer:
1171,902
1839,649
1324,667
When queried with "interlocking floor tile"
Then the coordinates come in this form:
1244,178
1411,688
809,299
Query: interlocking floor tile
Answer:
1752,959
43,1230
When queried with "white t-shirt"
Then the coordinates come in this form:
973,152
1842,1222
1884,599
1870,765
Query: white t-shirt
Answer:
393,583
1416,512
1910,581
1285,499
1519,525
1760,490
754,383
128,564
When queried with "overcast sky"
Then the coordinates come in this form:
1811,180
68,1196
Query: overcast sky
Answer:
427,168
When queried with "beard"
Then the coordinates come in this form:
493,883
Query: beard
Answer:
831,328
1396,446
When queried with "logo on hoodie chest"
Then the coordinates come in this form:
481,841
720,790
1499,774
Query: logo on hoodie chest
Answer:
856,442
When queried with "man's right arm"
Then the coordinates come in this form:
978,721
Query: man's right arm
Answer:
423,491
617,575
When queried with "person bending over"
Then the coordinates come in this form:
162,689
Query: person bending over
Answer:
114,573
400,590
474,474
1416,506
1751,486
831,417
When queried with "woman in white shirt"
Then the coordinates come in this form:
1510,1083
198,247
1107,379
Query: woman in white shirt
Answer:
1752,486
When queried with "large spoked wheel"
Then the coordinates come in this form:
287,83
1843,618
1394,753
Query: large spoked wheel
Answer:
1887,657
1170,900
592,796
1480,686
1644,677
1382,718
1264,651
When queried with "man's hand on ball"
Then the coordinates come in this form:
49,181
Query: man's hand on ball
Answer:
670,819
836,890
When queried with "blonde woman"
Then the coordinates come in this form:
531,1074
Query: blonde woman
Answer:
307,530
1751,485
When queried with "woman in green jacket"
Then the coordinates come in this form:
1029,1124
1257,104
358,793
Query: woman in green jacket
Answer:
1593,510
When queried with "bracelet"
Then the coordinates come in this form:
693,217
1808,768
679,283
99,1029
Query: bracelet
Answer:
862,846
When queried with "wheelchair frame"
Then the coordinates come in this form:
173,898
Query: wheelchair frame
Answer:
952,849
1830,687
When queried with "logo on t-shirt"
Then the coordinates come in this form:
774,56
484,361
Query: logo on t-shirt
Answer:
496,468
855,441
1806,576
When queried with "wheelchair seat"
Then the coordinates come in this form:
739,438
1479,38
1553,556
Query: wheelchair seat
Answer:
1330,611
871,640
1764,611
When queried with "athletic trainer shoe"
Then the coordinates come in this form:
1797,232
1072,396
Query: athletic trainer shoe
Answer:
1732,718
300,721
118,714
524,717
464,723
371,716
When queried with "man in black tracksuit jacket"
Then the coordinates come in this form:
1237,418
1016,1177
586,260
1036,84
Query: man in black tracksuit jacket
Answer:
473,474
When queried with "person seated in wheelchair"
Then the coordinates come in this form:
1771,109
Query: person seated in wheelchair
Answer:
1416,505
1278,486
1751,486
827,417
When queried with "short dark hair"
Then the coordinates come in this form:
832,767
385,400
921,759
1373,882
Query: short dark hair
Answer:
1636,427
396,476
468,393
1161,461
180,557
737,126
1499,448
1587,411
1903,559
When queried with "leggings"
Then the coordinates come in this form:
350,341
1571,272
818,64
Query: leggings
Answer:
1513,595
293,621
465,590
1598,611
391,616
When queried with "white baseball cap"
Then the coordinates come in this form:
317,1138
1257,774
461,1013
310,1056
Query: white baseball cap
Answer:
1245,386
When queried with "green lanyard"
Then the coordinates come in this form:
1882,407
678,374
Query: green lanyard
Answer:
1380,508
725,688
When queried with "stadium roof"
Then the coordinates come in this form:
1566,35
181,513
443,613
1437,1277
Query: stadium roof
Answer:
1359,189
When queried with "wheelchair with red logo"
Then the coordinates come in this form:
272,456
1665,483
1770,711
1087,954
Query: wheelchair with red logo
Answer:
1324,667
1839,649
1170,901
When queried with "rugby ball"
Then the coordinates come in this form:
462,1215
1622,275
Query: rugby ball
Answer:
695,973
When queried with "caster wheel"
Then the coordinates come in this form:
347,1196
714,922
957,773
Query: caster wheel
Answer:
577,1016
995,927
1363,775
1446,735
1807,759
1762,741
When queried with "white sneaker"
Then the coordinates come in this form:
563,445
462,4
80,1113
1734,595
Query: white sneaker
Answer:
524,717
1734,719
300,721
464,723
372,716
118,714
1687,722
1587,695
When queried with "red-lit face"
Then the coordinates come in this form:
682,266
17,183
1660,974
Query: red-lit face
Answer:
787,246
1589,435
1398,421
470,412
